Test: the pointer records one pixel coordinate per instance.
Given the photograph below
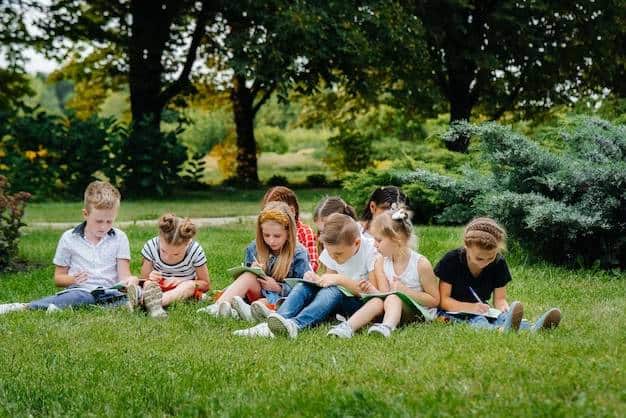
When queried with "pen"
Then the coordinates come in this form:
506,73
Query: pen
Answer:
475,295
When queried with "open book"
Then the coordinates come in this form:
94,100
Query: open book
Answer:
428,314
118,286
491,313
239,270
292,281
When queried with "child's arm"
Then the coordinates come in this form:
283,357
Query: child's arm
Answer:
499,299
380,279
331,278
203,281
63,279
429,297
148,272
448,303
123,271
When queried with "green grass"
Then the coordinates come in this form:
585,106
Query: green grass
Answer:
110,362
211,203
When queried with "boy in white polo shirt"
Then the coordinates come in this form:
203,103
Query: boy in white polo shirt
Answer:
90,258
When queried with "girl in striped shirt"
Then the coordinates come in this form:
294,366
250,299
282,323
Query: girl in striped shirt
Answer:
174,267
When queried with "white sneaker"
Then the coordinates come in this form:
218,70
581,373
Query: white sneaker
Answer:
260,311
152,295
380,329
12,307
133,295
282,326
341,330
52,308
259,330
224,309
242,308
211,309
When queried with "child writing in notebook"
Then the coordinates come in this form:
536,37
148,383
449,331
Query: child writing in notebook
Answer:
277,252
348,259
470,275
380,200
397,268
174,267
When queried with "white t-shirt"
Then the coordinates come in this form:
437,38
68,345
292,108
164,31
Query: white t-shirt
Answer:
98,260
356,267
185,269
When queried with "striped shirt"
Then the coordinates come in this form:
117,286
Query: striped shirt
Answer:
185,269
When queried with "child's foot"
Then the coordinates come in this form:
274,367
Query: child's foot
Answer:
259,330
282,326
513,317
211,309
152,296
260,311
548,320
341,330
52,308
133,294
12,307
242,308
380,329
225,310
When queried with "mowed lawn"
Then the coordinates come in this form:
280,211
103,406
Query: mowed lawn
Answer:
110,362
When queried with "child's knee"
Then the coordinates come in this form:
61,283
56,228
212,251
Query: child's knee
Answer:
392,300
376,303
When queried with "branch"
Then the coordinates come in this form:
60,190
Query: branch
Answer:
264,99
198,33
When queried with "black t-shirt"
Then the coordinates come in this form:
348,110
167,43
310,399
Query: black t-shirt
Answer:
453,269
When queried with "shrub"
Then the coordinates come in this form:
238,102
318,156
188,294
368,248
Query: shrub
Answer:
271,139
11,212
349,151
277,180
317,180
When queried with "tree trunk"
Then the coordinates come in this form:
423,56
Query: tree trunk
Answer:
460,110
242,99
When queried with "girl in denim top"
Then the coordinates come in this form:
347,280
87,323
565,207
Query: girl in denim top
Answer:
277,252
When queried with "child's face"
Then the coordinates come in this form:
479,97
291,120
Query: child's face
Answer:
480,258
342,252
172,254
319,224
378,209
99,221
274,235
385,245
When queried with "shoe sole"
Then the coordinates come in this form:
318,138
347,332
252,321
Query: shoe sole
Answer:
236,305
552,320
277,326
259,312
152,296
516,316
132,294
223,310
376,333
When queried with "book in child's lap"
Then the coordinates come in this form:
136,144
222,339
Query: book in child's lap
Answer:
492,313
239,270
292,281
428,314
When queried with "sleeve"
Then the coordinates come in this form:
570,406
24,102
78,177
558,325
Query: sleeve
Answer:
502,273
199,258
327,261
63,255
446,269
146,252
311,247
250,254
123,249
300,263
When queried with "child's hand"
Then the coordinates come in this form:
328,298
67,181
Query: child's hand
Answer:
270,284
311,277
80,277
174,281
481,308
327,281
155,276
366,287
396,285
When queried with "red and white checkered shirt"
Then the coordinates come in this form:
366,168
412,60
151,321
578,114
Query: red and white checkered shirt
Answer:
307,238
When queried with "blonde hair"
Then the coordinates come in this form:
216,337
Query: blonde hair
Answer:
340,229
101,195
396,225
280,213
176,231
484,233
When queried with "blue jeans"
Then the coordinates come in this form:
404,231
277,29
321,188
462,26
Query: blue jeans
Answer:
481,322
309,305
76,297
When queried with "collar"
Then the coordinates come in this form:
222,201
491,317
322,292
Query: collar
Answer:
80,230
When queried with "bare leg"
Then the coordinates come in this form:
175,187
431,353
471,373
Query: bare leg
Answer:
366,314
245,283
393,311
183,291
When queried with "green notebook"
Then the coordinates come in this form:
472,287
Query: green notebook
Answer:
239,270
118,286
292,281
425,312
492,313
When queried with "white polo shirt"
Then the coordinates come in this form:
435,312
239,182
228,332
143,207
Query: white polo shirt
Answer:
98,260
356,267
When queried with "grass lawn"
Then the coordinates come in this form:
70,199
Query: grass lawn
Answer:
110,362
199,204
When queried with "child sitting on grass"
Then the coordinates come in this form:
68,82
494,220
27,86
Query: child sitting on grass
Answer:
174,267
277,252
380,200
471,274
348,259
90,258
397,268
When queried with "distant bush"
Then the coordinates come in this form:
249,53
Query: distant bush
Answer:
277,180
271,139
11,212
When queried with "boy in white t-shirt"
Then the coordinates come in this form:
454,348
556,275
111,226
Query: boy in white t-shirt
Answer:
348,258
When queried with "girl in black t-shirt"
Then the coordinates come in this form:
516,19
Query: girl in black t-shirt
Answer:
471,274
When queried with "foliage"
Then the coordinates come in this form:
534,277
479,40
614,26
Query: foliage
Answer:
11,212
271,139
277,180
